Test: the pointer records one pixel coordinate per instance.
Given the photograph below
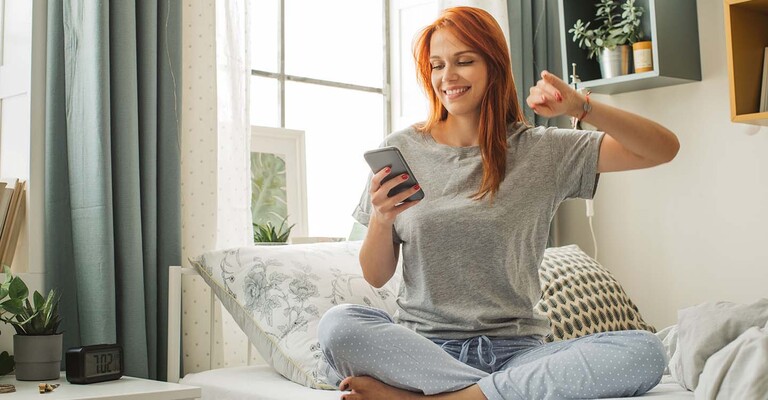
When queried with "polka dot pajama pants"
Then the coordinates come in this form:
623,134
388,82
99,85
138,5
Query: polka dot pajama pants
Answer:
358,340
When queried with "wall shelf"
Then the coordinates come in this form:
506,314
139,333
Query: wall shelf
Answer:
672,26
746,31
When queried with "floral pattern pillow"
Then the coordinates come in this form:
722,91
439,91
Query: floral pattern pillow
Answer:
277,294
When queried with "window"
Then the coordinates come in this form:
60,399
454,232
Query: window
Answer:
15,73
322,67
22,116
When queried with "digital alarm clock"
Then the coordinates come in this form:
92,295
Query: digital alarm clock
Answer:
95,363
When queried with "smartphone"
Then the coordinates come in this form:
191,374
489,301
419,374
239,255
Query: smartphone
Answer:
391,157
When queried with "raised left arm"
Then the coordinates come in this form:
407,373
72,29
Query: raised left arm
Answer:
631,141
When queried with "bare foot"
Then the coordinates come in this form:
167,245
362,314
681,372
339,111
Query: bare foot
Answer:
367,388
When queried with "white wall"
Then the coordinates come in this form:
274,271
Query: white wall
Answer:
693,230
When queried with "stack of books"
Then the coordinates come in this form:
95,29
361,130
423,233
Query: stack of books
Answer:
13,205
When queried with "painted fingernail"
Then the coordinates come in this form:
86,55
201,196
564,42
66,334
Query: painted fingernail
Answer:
416,187
559,97
387,169
404,176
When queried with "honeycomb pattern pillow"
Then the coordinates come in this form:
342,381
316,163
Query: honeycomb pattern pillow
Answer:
580,297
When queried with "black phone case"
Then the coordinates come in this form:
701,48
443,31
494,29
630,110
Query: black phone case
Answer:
391,157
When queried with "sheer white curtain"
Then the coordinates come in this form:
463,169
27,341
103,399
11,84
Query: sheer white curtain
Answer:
233,130
215,183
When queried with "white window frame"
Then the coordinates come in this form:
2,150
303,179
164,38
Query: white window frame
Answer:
27,77
282,77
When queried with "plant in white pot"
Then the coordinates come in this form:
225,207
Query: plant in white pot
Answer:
37,345
269,234
609,36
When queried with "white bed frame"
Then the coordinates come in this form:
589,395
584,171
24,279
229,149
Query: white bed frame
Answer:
175,274
669,390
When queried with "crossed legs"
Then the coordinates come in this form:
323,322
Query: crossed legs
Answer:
377,358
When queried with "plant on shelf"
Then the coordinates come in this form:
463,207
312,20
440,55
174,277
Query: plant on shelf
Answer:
616,23
267,233
37,328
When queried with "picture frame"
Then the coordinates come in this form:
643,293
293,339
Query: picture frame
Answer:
278,177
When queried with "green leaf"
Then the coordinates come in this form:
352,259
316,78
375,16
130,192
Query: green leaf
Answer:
18,289
268,186
37,317
268,232
618,22
13,306
38,298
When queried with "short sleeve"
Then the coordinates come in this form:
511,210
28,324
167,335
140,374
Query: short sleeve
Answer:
574,155
362,212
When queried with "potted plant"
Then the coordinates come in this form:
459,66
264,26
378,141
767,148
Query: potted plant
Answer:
268,234
609,36
37,344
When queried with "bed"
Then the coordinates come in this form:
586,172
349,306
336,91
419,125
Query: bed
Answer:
263,382
229,383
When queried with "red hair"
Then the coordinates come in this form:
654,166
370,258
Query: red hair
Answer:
477,29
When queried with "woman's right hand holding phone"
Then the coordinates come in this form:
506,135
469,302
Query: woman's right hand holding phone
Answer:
379,254
386,208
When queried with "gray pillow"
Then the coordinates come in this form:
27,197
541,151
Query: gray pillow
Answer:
738,370
705,329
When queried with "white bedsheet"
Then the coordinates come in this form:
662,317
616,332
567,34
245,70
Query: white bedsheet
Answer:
263,383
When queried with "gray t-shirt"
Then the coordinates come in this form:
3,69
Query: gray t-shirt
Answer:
471,268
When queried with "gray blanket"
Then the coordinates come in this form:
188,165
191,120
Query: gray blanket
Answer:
739,370
708,328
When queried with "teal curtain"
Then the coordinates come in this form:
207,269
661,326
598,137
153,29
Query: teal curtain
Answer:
112,191
534,37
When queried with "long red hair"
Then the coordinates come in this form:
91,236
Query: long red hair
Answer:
477,29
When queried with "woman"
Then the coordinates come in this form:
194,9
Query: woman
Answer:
466,326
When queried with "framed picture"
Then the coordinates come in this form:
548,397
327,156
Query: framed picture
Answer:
278,178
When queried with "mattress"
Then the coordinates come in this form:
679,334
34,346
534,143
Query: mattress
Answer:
263,383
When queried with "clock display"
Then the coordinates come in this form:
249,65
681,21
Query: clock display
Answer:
94,363
102,363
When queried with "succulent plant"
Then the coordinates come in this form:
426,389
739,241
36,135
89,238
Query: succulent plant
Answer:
267,233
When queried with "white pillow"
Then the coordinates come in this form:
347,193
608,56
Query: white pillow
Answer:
705,329
277,294
738,370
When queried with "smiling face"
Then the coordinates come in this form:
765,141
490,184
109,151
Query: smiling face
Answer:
459,74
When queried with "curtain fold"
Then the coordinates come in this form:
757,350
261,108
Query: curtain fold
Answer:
112,219
534,45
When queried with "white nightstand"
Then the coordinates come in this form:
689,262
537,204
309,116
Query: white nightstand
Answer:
125,388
